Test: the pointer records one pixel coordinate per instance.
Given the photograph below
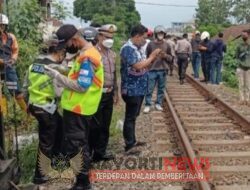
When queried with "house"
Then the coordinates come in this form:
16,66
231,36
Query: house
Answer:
234,31
47,5
51,24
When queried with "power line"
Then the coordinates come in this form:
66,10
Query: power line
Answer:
158,4
165,5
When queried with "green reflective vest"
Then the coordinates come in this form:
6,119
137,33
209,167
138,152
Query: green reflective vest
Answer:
85,103
41,90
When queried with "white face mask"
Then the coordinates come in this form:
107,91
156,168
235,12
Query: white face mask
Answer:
108,43
160,36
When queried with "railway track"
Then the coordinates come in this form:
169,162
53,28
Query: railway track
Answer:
199,124
209,127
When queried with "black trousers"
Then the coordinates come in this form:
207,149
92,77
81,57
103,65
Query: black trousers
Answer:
133,107
206,68
49,132
76,133
99,130
182,61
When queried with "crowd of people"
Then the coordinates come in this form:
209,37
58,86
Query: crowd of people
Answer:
209,53
87,89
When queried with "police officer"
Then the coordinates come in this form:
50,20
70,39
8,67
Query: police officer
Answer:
8,57
80,98
183,52
42,97
99,135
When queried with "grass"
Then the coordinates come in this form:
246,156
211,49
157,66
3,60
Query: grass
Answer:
28,161
118,114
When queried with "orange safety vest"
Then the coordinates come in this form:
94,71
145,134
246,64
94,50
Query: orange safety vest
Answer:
85,103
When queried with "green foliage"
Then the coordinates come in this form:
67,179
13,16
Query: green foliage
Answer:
27,162
213,29
28,50
24,16
230,78
222,12
230,65
119,12
241,11
188,29
118,42
213,12
59,11
229,59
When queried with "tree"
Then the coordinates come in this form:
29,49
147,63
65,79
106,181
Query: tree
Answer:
59,11
120,12
213,12
25,16
241,11
213,29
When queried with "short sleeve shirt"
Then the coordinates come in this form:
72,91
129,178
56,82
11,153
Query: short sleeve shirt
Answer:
133,82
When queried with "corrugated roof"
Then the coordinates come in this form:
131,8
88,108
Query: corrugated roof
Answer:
234,31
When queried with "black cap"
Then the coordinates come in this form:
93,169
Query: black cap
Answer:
65,33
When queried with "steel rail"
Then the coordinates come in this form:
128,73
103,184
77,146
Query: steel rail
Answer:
204,185
242,120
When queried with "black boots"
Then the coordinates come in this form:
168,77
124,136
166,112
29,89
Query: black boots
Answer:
82,183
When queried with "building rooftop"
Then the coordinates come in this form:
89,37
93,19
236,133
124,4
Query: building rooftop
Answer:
234,31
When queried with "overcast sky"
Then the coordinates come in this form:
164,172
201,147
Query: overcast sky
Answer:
152,15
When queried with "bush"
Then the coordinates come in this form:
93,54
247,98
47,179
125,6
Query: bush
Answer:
213,29
230,78
28,50
25,16
230,65
28,161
